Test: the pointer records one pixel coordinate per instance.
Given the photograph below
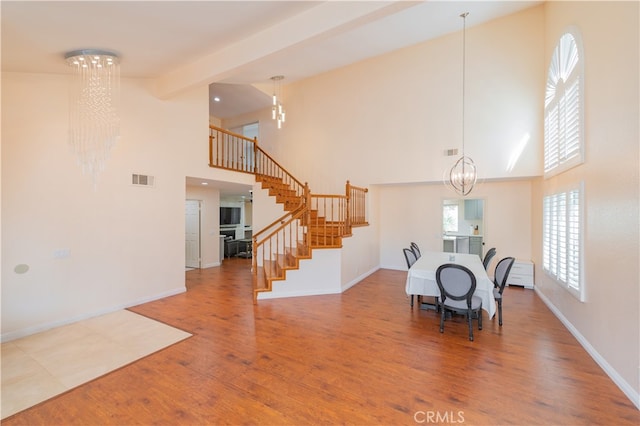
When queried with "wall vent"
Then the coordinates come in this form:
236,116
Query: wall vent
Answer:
142,180
451,152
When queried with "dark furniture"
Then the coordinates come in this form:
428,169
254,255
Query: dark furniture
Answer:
416,250
457,284
500,280
487,258
240,248
410,257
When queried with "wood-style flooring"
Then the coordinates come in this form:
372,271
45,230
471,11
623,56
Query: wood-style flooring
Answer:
363,357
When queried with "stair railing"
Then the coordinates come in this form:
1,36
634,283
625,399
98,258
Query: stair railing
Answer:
356,205
278,235
312,220
328,222
228,150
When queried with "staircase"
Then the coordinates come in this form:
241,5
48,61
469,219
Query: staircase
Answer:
310,222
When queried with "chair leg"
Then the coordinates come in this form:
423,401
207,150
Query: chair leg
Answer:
500,312
470,317
480,319
442,320
412,300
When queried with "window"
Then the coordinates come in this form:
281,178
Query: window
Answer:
562,239
450,217
563,107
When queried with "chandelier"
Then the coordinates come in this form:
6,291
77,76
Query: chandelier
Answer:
463,174
277,110
94,123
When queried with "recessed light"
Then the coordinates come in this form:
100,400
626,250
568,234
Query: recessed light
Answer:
216,99
204,183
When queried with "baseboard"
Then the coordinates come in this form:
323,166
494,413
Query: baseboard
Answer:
6,337
355,281
210,265
624,386
280,295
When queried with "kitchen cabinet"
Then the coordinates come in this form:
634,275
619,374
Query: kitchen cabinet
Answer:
521,274
475,245
471,244
473,209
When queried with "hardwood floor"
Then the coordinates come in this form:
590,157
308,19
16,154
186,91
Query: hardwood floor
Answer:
362,357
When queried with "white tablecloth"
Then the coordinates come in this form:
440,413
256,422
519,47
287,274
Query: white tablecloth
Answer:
421,278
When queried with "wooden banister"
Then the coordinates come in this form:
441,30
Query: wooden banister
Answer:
356,205
311,221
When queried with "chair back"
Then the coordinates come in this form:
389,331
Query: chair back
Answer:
409,256
488,257
416,250
502,273
456,282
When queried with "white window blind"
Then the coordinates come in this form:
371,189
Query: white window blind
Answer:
562,239
563,116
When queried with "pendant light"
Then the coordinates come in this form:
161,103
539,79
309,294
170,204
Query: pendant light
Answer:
277,110
94,122
463,174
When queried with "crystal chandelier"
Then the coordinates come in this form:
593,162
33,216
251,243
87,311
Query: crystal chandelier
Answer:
94,123
277,110
463,174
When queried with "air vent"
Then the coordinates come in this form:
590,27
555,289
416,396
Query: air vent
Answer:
451,152
142,180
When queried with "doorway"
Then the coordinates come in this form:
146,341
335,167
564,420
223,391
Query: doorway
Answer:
192,234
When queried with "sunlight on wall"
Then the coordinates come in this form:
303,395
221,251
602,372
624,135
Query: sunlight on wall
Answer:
517,151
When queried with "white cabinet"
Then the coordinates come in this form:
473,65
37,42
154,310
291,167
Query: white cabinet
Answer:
473,209
521,274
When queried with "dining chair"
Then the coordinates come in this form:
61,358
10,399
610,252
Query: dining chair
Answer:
487,258
499,282
457,284
416,250
410,257
432,302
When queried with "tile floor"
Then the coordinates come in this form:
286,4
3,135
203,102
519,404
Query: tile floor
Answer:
40,366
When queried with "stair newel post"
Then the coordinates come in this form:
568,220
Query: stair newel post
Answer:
348,218
211,137
307,215
254,257
255,155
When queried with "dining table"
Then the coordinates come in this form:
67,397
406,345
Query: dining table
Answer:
421,277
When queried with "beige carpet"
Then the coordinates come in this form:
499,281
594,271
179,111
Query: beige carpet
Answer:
40,366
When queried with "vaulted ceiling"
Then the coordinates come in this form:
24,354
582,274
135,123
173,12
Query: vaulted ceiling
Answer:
234,45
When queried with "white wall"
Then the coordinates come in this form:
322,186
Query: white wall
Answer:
361,253
608,323
414,213
125,244
318,276
390,118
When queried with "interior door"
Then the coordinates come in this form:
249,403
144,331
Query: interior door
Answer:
192,234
